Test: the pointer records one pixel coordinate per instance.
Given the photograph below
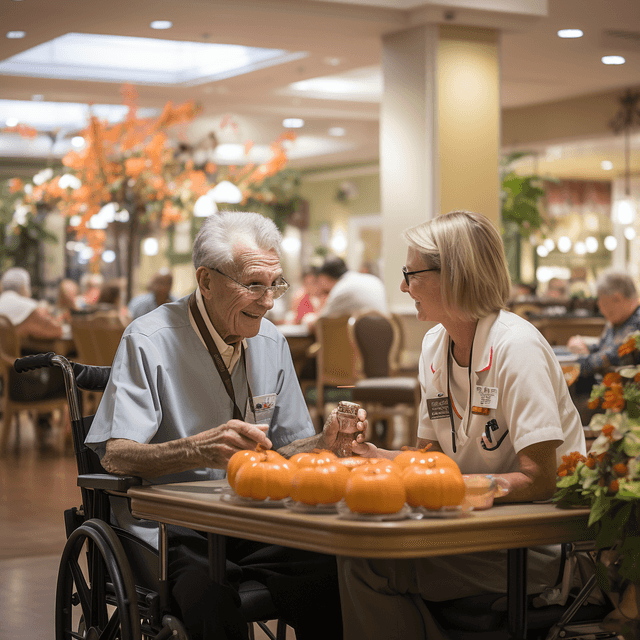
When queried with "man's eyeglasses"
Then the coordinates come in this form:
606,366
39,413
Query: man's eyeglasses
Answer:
258,290
406,273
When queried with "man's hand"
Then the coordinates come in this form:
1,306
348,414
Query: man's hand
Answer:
331,429
577,345
217,445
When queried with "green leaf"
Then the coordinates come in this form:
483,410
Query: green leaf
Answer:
602,577
600,506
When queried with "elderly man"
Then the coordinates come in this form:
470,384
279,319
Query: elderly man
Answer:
159,292
185,386
619,304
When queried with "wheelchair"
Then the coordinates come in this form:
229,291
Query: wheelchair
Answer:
112,585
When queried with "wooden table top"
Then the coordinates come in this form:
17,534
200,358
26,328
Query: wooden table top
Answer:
198,505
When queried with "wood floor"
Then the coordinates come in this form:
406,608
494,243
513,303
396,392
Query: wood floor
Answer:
35,489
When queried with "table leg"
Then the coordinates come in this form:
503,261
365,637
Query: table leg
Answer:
517,593
217,557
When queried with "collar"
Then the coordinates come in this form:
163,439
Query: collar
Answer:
230,353
482,356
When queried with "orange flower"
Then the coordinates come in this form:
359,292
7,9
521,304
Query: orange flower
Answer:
611,378
594,404
569,463
614,486
15,184
608,430
620,469
628,346
591,462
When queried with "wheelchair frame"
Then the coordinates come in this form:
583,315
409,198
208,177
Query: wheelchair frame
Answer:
123,591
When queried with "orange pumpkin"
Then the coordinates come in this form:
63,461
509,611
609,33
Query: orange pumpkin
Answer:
411,456
379,463
264,479
433,488
353,461
375,490
312,458
319,484
441,460
238,459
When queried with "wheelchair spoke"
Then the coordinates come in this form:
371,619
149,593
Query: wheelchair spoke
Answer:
112,630
82,588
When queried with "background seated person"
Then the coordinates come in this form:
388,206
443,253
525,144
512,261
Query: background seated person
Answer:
305,300
343,292
67,299
90,285
108,305
30,317
159,292
619,304
181,400
476,344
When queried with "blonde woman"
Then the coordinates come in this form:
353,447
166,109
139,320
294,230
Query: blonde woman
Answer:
509,414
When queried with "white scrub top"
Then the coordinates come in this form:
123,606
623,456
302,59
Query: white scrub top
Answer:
516,376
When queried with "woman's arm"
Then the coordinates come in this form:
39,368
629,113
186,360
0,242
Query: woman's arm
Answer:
536,479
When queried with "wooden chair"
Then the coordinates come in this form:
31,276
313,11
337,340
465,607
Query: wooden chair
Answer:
9,351
337,365
96,338
385,395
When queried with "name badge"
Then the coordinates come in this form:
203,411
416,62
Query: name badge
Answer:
264,406
486,397
438,408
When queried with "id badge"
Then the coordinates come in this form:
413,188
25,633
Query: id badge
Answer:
485,398
438,408
264,406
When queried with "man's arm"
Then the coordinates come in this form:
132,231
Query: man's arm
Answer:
212,448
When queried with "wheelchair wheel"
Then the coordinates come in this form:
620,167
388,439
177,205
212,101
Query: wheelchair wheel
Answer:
95,595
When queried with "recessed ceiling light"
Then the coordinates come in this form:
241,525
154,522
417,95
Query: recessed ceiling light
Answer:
161,24
12,122
14,35
613,60
293,123
570,33
606,165
337,131
77,142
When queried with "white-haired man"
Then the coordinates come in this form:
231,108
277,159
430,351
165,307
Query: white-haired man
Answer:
210,359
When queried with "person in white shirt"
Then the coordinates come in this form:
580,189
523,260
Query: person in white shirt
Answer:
509,414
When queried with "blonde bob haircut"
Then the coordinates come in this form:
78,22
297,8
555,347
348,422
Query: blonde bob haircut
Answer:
467,250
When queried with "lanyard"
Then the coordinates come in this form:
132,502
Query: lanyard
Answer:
453,426
219,362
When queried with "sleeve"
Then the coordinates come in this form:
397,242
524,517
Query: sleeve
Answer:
529,394
130,407
605,355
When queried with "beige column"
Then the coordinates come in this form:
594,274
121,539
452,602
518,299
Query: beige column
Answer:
439,133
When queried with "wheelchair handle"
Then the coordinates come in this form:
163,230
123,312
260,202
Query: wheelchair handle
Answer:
38,361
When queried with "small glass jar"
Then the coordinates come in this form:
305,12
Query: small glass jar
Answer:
347,420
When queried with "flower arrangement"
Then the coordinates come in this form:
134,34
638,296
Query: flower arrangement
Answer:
607,481
138,165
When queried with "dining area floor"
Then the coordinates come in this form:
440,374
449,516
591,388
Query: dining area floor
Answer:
36,486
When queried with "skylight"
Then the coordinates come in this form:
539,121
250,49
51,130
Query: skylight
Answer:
81,56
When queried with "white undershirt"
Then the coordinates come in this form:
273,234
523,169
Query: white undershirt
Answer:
230,352
459,386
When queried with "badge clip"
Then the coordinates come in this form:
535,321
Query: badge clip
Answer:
480,411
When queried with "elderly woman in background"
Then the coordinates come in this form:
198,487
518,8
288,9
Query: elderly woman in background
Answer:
518,430
29,317
109,303
67,300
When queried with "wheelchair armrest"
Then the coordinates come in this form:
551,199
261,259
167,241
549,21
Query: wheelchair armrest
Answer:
108,482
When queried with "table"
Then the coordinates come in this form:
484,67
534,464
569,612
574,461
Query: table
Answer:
198,505
558,329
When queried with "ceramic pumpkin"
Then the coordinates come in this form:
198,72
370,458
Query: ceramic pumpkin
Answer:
441,460
411,456
264,479
433,488
375,490
319,484
311,458
388,466
238,459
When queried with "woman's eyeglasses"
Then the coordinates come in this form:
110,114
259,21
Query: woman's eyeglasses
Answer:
258,290
406,273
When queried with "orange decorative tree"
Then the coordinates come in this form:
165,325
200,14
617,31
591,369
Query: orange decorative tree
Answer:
137,165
